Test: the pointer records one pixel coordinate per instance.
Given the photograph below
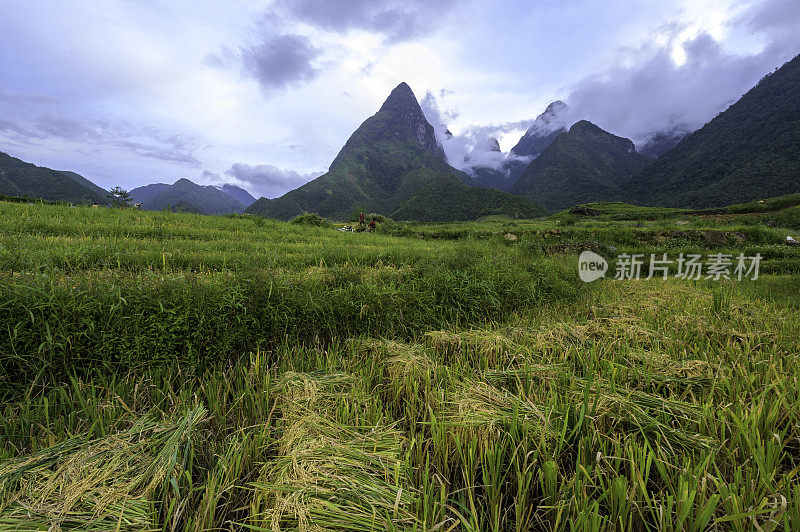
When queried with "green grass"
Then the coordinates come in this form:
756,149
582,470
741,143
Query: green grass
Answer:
166,371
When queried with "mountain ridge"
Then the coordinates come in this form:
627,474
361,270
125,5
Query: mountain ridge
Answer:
584,164
388,159
185,195
24,179
749,151
237,193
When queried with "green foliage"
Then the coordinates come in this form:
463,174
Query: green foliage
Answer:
312,219
119,197
166,371
133,289
610,409
378,218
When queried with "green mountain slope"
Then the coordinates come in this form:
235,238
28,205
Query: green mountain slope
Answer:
448,200
385,162
85,183
186,196
146,193
582,165
237,193
18,178
749,151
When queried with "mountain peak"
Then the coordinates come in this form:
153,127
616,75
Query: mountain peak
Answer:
594,134
584,164
237,193
401,99
403,87
542,131
185,195
400,118
555,108
487,145
583,125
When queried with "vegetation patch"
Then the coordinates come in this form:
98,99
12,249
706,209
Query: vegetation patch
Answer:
178,372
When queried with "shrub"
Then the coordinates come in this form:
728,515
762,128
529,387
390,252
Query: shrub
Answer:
313,219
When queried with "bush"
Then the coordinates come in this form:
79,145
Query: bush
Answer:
379,218
312,219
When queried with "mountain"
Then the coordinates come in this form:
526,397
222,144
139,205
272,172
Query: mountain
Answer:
237,193
487,165
490,168
544,130
490,145
82,181
749,151
185,196
390,158
661,142
145,194
18,178
582,165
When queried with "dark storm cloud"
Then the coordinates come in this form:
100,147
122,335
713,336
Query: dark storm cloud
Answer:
396,20
34,119
281,61
268,180
653,94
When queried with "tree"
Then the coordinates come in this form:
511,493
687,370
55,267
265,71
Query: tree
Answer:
119,197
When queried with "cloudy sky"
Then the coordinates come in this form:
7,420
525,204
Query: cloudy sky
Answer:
264,94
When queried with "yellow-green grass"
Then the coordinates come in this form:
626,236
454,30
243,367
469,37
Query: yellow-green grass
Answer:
644,405
620,405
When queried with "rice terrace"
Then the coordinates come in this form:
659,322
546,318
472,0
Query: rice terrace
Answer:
251,280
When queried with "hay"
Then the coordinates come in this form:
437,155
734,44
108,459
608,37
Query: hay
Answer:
102,484
329,476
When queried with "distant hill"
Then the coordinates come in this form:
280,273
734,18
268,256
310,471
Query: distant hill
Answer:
237,193
582,165
186,196
146,193
85,183
385,163
749,151
18,178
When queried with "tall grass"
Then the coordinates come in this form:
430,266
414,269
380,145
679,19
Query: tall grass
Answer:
639,408
383,383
